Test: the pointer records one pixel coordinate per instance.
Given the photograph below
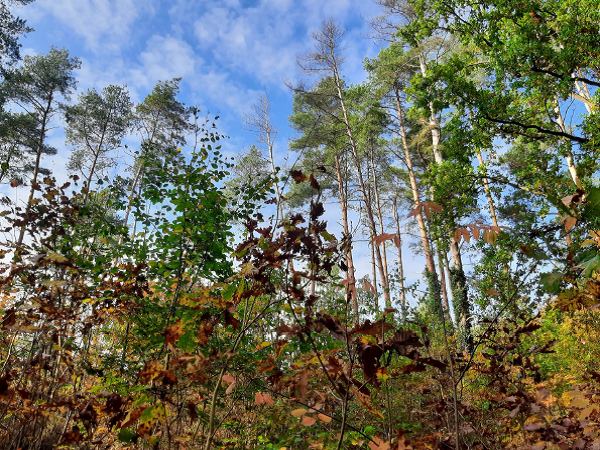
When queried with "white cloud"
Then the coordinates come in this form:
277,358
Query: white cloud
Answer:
104,24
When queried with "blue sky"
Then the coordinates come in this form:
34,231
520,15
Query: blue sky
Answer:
227,52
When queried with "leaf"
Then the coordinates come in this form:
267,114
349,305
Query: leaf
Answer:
298,176
172,333
369,287
585,413
570,223
324,418
299,412
14,183
377,240
457,235
231,380
308,421
55,257
328,237
314,183
492,292
258,399
126,436
379,444
551,282
267,399
590,266
374,329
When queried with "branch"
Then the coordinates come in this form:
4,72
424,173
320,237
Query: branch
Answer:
538,128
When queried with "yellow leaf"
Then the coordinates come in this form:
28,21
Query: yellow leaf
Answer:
587,411
56,257
588,242
299,412
324,418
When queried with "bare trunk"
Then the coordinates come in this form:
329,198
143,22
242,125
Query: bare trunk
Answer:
36,168
414,189
433,122
349,260
400,265
569,157
381,227
444,285
374,272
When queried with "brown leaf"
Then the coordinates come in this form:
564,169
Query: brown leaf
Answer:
172,333
457,235
570,223
314,183
192,411
373,329
267,399
377,240
258,399
298,176
14,183
308,421
379,444
369,287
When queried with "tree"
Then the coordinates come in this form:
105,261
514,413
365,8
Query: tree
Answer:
96,126
327,58
36,87
392,72
11,27
259,121
162,122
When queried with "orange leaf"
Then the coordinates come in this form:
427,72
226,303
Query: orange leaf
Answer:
457,235
377,240
229,390
570,223
379,444
324,418
258,399
228,379
308,421
299,412
369,287
268,400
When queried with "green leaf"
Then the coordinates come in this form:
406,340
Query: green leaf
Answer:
590,266
126,435
550,282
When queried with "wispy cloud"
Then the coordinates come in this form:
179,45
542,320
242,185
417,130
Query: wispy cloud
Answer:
105,25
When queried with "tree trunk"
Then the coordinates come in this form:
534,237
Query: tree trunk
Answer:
36,168
569,157
414,189
381,227
349,260
400,265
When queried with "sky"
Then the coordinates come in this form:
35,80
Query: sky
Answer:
227,53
